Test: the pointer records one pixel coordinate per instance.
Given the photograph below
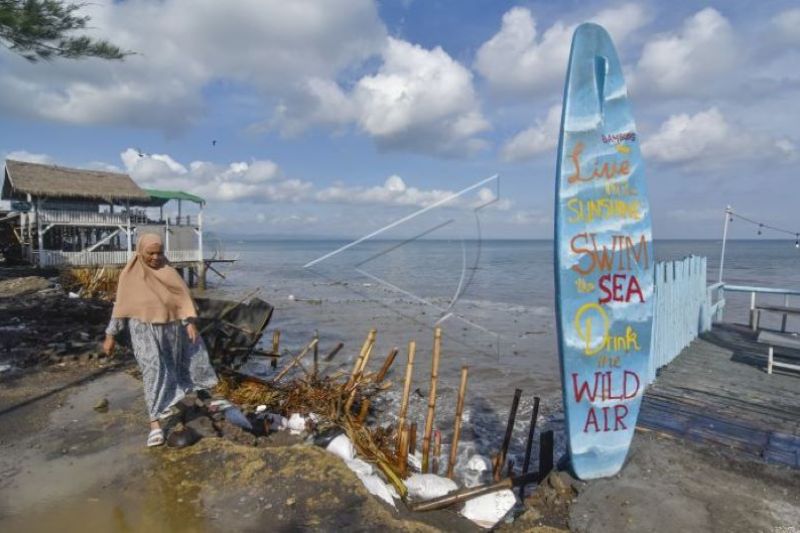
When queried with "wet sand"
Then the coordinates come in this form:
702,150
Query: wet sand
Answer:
83,470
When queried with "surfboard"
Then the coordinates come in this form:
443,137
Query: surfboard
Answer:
603,259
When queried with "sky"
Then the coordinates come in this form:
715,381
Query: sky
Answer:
334,118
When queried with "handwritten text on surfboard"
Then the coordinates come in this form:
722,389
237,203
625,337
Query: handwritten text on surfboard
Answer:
609,271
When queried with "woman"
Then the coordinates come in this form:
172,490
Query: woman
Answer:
156,305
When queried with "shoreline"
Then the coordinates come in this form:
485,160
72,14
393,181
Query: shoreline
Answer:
93,468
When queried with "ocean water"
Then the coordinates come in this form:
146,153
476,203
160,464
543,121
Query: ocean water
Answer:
493,300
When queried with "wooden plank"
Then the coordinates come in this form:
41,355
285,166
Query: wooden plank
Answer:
716,392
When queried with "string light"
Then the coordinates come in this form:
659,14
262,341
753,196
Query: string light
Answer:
762,226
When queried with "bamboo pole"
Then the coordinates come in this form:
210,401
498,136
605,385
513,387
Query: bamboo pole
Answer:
402,456
426,439
512,416
386,365
462,390
364,347
363,411
295,361
472,492
358,375
412,439
412,348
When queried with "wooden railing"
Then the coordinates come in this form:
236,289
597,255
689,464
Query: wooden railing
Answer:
89,218
683,308
51,258
81,218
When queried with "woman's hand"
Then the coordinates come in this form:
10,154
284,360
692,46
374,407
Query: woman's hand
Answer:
191,331
108,345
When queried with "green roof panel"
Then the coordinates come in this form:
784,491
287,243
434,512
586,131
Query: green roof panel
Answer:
159,197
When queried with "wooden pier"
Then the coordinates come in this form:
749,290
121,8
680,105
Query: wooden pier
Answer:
717,391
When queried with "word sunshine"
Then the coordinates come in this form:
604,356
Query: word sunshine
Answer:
604,208
617,138
607,170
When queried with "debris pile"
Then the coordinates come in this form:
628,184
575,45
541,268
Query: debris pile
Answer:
40,325
338,405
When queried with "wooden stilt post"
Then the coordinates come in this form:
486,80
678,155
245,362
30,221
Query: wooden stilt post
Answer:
462,390
512,416
316,355
333,352
412,439
437,451
529,444
545,453
276,347
426,439
386,365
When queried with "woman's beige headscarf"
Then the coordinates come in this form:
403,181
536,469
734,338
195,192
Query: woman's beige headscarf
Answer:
156,295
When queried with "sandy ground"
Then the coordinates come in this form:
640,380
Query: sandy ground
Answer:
66,467
670,485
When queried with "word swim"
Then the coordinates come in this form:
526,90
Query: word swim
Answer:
603,208
604,381
608,170
587,316
623,254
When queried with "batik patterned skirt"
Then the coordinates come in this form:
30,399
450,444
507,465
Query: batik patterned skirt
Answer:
171,365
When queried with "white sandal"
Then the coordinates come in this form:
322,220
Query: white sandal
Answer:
155,438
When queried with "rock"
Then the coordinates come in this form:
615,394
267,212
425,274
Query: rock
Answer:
489,509
21,286
428,486
203,426
235,434
342,447
181,436
101,406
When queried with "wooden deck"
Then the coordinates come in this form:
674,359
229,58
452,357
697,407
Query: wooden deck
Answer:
717,391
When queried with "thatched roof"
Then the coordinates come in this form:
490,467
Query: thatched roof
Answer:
50,181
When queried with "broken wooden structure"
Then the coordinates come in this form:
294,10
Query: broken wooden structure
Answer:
66,217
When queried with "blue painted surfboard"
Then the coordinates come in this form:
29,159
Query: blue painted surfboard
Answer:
603,259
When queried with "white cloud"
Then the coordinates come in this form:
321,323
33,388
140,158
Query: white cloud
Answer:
541,138
520,60
707,137
418,100
530,218
184,45
257,181
263,181
691,60
788,24
395,191
29,157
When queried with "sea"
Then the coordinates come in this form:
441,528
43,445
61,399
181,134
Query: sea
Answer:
493,300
